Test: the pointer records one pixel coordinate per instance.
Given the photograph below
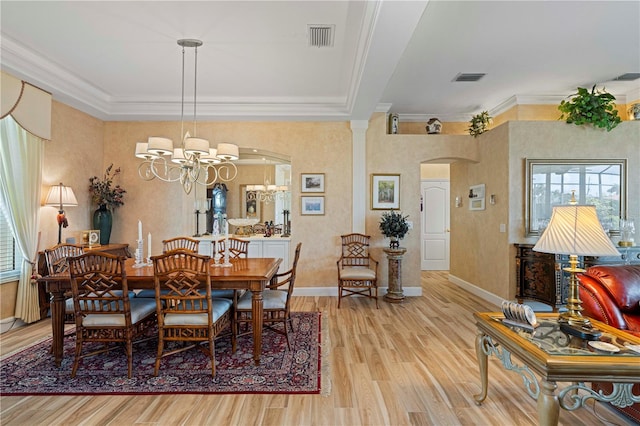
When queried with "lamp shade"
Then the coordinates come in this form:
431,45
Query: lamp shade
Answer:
575,230
60,196
160,146
228,151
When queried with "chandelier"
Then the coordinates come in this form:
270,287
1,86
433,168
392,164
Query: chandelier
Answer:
194,162
267,192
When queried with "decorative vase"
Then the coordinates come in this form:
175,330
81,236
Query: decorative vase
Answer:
394,243
102,220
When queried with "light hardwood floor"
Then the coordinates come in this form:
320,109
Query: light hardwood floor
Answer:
410,363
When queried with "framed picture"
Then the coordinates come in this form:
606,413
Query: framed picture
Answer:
385,192
249,204
312,205
312,182
476,197
91,238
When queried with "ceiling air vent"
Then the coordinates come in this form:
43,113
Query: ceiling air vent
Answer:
321,35
630,76
468,76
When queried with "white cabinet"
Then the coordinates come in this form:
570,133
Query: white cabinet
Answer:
259,246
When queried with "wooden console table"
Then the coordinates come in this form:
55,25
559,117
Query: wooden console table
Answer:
549,356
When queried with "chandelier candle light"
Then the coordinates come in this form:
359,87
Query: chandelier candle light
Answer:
194,161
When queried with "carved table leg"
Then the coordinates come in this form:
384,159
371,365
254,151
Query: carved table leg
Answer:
548,405
57,323
257,312
483,366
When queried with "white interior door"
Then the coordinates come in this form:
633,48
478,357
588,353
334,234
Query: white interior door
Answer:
435,225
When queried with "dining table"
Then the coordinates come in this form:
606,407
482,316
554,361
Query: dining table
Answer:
253,273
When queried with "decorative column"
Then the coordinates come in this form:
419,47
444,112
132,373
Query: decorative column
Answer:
394,292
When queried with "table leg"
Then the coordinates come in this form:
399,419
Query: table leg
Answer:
548,405
57,324
482,365
257,312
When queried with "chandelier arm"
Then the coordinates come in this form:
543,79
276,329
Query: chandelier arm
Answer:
210,171
144,170
227,171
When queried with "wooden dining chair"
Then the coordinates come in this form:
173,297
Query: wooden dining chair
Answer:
186,312
105,312
56,259
276,301
357,270
238,248
180,243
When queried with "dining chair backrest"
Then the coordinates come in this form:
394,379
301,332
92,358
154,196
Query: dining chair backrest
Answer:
355,250
56,257
238,248
181,277
180,243
99,285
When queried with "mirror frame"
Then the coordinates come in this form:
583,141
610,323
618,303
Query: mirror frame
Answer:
532,165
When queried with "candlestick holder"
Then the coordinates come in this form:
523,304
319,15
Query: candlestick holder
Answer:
197,234
226,263
139,256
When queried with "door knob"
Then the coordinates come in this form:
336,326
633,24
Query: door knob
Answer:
448,230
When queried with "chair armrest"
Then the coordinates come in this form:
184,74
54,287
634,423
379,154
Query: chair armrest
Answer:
598,303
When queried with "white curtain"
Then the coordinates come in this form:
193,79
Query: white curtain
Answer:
21,157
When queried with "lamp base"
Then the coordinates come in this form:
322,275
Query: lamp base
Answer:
583,332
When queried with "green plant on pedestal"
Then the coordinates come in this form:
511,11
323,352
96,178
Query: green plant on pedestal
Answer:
394,225
595,107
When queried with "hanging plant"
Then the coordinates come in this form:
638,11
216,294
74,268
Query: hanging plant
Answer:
596,108
479,124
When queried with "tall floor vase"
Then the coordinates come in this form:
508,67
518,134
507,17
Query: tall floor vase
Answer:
103,220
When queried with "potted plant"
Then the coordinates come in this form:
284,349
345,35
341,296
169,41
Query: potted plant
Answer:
595,107
635,111
479,123
394,226
107,197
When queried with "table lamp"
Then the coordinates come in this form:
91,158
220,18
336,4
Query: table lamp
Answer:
575,230
61,196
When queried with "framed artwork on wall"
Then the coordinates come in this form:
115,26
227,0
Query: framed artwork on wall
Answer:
312,205
312,182
385,192
249,204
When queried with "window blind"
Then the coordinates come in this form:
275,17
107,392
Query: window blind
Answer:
7,245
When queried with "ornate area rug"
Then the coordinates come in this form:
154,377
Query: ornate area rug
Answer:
31,371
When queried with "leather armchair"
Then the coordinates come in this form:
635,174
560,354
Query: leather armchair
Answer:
611,294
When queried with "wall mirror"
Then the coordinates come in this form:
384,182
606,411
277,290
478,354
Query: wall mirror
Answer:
257,167
597,182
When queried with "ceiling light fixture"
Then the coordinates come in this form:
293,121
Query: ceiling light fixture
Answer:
194,162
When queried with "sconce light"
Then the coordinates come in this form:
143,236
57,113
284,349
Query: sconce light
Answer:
458,201
492,199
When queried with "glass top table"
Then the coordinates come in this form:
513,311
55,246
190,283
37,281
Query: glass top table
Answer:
548,337
548,356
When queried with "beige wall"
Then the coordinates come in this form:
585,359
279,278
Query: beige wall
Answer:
480,254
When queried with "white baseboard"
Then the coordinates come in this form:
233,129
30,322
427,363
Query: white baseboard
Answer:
333,291
490,297
10,323
475,290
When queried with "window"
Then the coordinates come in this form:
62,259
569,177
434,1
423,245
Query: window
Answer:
595,182
8,264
